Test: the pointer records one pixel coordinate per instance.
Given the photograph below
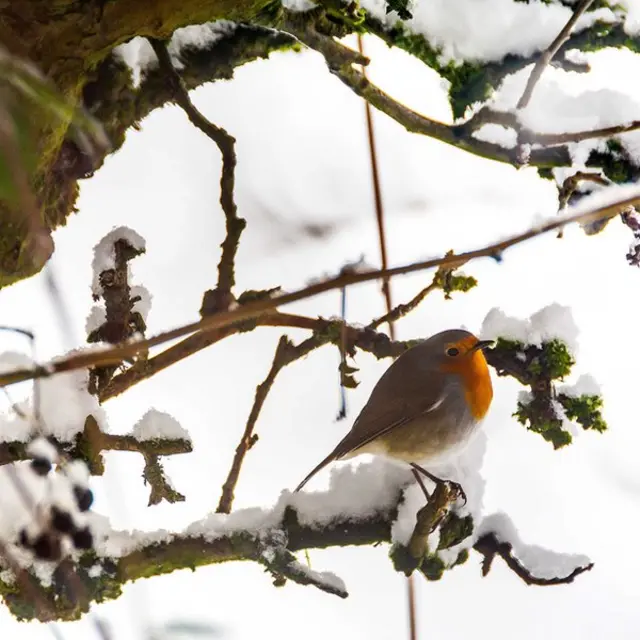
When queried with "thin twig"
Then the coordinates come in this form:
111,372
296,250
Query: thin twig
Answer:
187,347
337,57
550,139
403,309
248,439
411,602
255,309
489,546
377,196
551,51
226,143
511,119
286,353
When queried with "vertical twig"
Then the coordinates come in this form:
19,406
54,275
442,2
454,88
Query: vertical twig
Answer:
411,597
386,288
377,194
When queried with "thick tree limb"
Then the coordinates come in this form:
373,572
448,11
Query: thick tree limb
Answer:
271,547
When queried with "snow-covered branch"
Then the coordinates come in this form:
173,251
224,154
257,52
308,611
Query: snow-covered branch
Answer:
359,509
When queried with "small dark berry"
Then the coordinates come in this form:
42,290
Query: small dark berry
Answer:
61,520
82,538
47,547
23,539
84,497
41,466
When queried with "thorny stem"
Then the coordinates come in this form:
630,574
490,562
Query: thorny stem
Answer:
255,309
547,56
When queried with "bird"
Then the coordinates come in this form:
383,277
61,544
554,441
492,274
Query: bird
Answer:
425,407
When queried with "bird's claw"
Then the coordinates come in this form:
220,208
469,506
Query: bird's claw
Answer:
457,490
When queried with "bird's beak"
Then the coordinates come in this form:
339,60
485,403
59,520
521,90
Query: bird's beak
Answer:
482,344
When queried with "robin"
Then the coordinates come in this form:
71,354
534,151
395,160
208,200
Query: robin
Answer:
426,406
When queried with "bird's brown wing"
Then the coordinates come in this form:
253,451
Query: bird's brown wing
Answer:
384,413
407,390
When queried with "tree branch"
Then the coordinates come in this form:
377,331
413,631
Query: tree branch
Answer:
226,144
489,546
256,309
547,56
272,546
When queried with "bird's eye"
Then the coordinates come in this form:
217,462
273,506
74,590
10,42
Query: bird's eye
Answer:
453,351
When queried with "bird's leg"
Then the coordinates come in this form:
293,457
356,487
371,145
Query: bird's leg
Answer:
427,495
455,485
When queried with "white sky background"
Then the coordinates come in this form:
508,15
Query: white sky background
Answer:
303,159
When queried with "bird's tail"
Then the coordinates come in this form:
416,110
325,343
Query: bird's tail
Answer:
330,458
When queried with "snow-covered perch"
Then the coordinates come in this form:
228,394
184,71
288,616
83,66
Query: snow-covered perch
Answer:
360,508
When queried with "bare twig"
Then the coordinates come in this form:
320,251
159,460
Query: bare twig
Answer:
248,438
255,309
489,546
403,309
187,347
340,58
286,353
377,196
226,144
551,51
549,139
510,119
154,475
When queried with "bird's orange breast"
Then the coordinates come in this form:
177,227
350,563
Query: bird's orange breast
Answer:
476,380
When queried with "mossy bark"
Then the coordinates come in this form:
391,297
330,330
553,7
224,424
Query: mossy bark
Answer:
71,42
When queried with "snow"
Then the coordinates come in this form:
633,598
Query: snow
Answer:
139,55
298,5
632,18
16,513
96,318
487,30
198,36
540,562
553,322
14,428
104,252
142,306
331,580
157,425
77,472
354,491
65,404
42,448
466,470
497,134
14,360
585,385
430,210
